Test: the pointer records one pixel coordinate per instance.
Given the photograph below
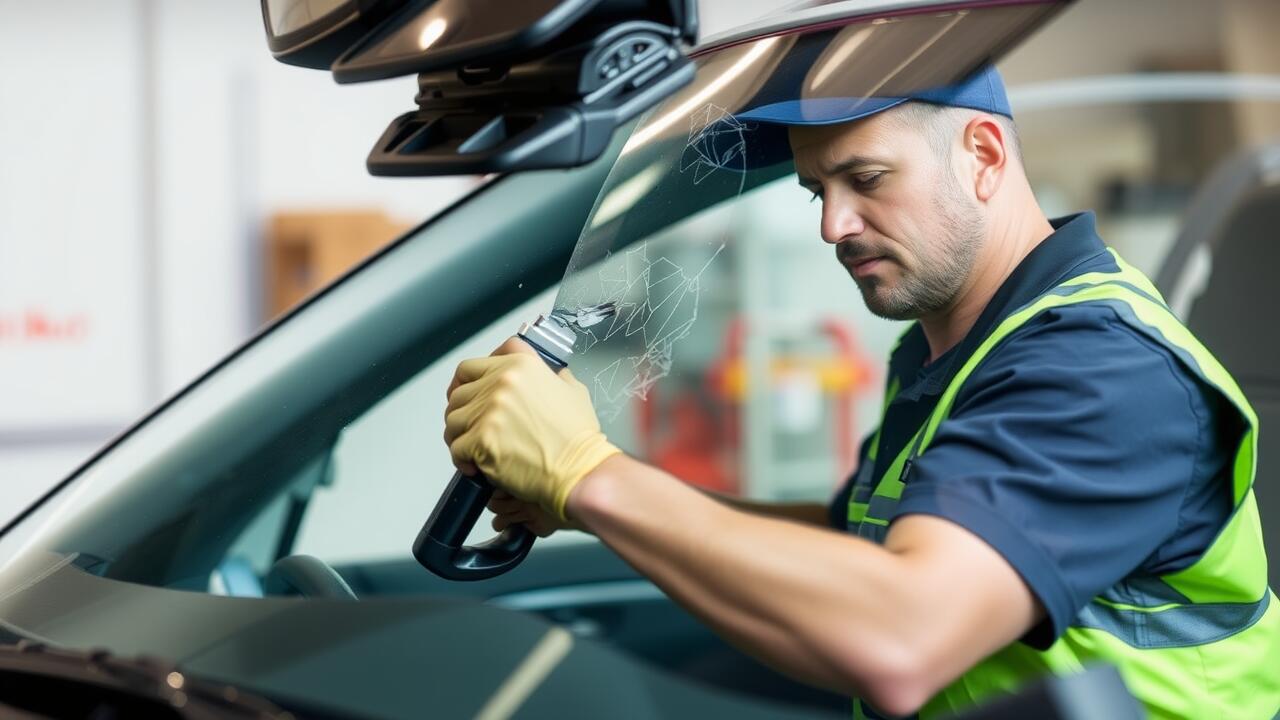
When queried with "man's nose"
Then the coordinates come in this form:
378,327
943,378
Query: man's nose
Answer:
840,220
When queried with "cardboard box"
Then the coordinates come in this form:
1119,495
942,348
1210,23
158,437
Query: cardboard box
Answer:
306,250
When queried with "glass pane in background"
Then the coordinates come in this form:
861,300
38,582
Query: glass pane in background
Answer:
1138,163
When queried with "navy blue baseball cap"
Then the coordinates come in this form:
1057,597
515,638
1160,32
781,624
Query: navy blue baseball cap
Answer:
767,123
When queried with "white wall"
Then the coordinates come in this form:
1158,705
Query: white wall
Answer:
73,364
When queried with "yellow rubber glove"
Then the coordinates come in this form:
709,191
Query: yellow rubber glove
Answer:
531,431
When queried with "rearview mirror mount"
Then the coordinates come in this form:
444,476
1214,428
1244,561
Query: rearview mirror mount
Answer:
502,86
559,110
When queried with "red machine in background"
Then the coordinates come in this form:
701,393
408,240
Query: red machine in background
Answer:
696,433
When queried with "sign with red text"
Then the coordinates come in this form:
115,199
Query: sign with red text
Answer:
72,325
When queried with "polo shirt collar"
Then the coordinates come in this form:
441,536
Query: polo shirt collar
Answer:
1073,244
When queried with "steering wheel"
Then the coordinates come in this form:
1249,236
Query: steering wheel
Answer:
306,576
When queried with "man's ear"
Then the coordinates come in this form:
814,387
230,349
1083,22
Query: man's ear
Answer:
985,141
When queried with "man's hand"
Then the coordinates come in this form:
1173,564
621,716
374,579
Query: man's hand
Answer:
531,431
508,510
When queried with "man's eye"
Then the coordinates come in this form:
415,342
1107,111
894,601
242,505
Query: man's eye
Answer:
867,181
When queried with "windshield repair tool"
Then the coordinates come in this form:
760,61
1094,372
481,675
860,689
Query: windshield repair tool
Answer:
439,547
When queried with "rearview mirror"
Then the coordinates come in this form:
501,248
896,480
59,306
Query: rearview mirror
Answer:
450,34
313,33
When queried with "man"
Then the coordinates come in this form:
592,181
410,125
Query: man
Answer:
1062,474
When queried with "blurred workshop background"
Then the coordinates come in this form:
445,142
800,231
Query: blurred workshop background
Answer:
166,188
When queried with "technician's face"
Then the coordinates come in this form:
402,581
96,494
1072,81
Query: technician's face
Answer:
900,221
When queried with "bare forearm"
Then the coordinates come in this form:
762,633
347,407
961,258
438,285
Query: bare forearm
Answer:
769,585
807,513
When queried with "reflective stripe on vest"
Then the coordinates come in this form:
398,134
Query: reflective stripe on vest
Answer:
1200,642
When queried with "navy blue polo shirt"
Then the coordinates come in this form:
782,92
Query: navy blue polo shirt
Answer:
1081,451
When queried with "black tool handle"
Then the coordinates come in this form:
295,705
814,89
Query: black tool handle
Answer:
439,547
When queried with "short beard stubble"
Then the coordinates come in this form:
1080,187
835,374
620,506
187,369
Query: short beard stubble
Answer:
945,263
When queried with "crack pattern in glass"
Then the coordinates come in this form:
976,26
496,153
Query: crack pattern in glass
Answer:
656,299
657,305
717,141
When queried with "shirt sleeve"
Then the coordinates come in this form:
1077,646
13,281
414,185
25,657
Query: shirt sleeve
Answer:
1070,451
